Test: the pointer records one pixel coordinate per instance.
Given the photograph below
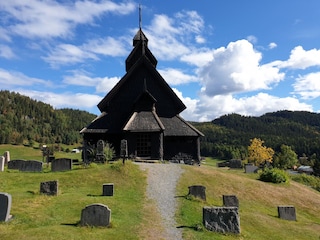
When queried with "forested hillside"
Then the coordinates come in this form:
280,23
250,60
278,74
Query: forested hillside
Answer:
23,119
228,136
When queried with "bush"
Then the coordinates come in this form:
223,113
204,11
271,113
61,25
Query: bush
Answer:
273,175
308,180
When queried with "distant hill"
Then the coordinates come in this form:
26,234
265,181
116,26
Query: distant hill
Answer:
229,135
23,119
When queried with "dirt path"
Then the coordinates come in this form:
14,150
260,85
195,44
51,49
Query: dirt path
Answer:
161,190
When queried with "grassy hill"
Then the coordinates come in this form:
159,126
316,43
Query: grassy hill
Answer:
43,217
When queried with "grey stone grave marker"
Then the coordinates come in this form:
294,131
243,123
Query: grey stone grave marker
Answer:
49,187
287,213
250,168
198,191
235,163
15,164
31,166
61,164
221,219
1,163
6,157
230,201
5,207
107,189
96,215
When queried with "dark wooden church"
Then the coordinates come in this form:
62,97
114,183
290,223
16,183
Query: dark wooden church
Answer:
144,110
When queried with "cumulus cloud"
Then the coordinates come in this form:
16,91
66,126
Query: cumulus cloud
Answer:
236,69
171,38
308,86
208,108
302,59
36,18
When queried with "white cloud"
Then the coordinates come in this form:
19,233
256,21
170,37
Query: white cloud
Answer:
68,54
236,69
302,59
36,18
208,108
6,52
272,45
12,78
198,57
82,78
171,38
65,99
176,77
308,86
252,39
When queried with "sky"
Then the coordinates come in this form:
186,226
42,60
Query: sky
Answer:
248,57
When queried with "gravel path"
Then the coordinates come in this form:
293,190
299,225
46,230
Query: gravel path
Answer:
162,180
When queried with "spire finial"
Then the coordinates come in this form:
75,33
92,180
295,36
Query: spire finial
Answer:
140,20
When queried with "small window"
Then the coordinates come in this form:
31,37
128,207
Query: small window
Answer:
143,145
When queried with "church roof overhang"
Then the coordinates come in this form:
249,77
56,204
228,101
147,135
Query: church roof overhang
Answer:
144,121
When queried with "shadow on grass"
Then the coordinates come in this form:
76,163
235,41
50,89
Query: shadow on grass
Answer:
77,224
196,227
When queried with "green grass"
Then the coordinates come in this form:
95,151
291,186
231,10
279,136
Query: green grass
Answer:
258,205
56,217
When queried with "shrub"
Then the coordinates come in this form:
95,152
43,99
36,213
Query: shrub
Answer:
273,175
308,180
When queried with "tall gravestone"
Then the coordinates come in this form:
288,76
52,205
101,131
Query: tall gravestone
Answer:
5,207
96,215
6,157
221,219
61,164
1,163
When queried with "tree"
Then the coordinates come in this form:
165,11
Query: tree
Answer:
259,154
286,158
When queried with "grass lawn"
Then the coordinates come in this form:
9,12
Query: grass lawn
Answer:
135,217
258,205
38,216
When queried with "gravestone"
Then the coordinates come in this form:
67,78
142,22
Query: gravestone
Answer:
15,164
221,219
6,157
235,163
198,191
1,163
250,168
96,215
31,166
107,189
230,201
61,164
5,207
287,213
49,188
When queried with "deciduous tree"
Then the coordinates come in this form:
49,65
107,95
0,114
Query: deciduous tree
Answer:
259,154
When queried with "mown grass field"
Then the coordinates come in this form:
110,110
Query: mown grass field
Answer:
56,217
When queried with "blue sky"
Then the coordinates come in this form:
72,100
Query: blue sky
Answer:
247,57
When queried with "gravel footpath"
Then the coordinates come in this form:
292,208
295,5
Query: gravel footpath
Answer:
162,180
